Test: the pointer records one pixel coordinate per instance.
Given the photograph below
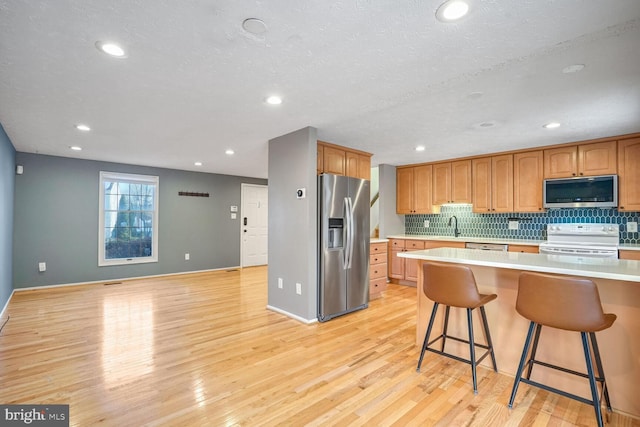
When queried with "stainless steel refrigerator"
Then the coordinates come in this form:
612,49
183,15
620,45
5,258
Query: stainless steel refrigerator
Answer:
343,277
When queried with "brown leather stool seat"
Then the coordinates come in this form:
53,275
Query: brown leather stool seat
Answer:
454,285
567,303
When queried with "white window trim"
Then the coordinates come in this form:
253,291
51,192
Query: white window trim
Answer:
133,179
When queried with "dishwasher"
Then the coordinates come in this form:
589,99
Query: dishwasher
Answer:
486,246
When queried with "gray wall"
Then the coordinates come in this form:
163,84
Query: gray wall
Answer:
7,180
56,221
292,223
390,222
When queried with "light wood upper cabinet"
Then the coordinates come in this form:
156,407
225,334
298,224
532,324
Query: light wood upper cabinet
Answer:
452,182
527,181
404,190
492,184
581,160
334,161
343,161
629,175
320,159
413,190
358,165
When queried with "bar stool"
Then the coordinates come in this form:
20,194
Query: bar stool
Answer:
454,285
570,304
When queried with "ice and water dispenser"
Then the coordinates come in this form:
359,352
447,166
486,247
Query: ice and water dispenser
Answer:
336,228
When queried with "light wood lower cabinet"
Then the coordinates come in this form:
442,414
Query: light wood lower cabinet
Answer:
524,248
634,255
404,269
377,269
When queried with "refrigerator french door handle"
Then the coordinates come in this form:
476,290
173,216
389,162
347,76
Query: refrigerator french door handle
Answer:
347,234
350,232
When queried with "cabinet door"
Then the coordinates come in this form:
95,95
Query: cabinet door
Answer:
629,175
441,183
320,159
396,264
527,181
461,181
422,189
502,183
411,265
481,171
352,164
334,161
561,162
404,190
364,166
598,159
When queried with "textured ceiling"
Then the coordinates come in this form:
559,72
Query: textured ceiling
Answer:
377,75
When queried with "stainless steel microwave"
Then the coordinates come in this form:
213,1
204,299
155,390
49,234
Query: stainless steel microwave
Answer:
581,192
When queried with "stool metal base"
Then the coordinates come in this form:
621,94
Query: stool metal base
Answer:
590,375
472,345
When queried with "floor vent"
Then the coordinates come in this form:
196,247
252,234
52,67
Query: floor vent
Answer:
112,283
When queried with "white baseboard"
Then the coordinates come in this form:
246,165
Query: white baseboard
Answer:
5,307
31,288
293,316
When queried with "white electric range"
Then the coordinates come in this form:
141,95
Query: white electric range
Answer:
584,240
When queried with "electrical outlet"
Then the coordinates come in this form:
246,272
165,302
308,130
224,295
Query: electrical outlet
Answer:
632,227
426,223
514,225
279,282
186,257
42,266
299,288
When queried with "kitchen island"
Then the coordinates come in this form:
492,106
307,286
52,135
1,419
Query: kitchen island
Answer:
618,283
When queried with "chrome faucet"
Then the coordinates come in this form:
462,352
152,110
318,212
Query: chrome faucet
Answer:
456,232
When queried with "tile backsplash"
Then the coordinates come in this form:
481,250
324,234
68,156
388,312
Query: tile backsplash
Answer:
531,226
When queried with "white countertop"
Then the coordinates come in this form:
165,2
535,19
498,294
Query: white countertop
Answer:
469,239
629,247
372,240
603,268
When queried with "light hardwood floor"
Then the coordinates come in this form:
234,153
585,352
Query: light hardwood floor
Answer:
202,349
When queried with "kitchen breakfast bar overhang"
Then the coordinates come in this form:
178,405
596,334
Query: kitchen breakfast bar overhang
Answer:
618,283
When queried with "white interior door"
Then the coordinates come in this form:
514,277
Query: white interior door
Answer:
254,224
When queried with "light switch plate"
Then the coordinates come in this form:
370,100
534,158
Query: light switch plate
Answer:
513,225
632,227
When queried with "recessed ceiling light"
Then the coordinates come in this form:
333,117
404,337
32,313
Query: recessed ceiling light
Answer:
274,100
573,68
452,10
420,148
76,148
82,127
551,125
254,26
198,163
111,49
229,152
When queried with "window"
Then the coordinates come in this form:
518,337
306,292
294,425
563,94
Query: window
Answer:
128,223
